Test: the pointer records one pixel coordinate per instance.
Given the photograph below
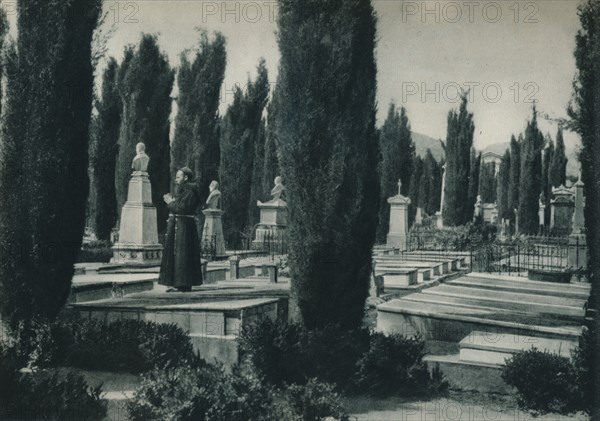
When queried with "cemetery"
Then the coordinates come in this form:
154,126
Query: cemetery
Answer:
290,253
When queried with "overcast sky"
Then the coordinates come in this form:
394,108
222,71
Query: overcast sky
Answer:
509,53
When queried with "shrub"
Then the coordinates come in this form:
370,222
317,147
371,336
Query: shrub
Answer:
354,361
200,394
313,402
584,362
95,251
122,346
544,382
273,348
288,353
394,365
45,395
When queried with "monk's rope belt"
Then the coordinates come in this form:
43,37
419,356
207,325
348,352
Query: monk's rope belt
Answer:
182,216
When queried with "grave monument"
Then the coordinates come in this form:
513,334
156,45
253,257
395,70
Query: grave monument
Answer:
273,217
138,234
398,234
212,234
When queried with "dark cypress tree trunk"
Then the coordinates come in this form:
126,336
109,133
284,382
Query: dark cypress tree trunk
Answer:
146,94
558,164
514,179
397,156
584,114
326,134
240,133
531,178
504,211
459,140
105,148
44,178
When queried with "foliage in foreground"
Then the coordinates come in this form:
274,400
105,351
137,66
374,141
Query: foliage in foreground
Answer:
356,361
547,383
45,394
208,393
121,346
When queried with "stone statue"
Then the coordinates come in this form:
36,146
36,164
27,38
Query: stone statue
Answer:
214,198
140,162
277,191
478,200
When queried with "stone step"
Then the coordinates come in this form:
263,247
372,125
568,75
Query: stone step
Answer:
573,286
482,347
436,268
453,290
467,376
568,315
201,318
520,287
451,323
399,277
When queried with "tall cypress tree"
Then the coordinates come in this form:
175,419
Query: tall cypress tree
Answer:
503,200
558,165
459,141
271,160
531,177
488,183
44,155
146,94
547,158
240,133
474,177
397,155
196,137
435,184
104,152
326,134
514,182
414,189
583,112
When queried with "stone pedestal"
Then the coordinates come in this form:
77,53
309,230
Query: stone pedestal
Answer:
439,220
577,239
138,234
273,223
561,211
398,233
212,233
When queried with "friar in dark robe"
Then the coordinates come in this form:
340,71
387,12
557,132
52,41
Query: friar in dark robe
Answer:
181,267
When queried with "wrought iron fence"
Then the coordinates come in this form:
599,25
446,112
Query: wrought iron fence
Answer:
523,258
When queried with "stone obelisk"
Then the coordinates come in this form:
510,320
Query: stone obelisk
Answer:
398,234
138,234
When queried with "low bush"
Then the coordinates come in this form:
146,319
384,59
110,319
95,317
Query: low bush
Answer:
288,353
208,394
544,382
314,401
394,365
121,346
44,394
354,361
95,251
183,394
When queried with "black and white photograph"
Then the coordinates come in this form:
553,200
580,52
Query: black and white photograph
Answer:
299,210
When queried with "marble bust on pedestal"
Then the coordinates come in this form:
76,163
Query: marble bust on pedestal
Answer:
141,160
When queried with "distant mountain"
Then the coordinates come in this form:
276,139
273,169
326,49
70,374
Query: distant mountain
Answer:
424,142
571,151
